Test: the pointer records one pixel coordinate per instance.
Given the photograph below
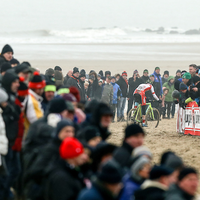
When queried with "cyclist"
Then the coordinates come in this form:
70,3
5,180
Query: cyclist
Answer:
140,97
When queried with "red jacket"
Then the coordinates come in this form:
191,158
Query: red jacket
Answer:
18,142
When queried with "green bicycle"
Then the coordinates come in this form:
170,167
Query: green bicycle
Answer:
152,116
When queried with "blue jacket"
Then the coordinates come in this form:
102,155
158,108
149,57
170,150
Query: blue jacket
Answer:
158,79
130,186
116,92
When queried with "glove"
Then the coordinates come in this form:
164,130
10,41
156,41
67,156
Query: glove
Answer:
159,101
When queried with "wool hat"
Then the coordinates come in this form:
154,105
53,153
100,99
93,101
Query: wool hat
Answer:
173,161
166,73
141,151
107,73
99,75
146,71
82,73
50,72
182,86
22,68
70,148
159,171
7,48
101,72
3,96
14,61
92,71
75,70
135,72
37,82
61,124
57,105
109,77
103,78
50,84
152,75
90,132
186,171
187,75
124,73
23,88
63,90
113,77
157,68
176,94
5,66
26,63
58,68
178,71
133,130
196,79
69,97
110,172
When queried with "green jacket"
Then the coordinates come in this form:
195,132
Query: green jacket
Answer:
171,88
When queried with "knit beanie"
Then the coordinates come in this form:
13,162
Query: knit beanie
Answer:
7,48
50,85
63,90
14,61
133,130
63,123
69,97
174,162
110,172
22,68
124,73
178,71
113,77
176,94
58,68
185,171
90,132
49,72
3,96
73,90
157,68
141,151
145,71
166,73
57,105
5,66
101,72
196,79
23,88
107,73
70,148
135,72
37,82
159,171
82,73
182,86
187,75
75,70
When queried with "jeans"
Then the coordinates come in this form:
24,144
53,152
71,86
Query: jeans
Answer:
121,106
13,166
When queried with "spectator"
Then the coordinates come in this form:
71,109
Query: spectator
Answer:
5,67
58,68
117,76
123,84
74,79
58,78
186,187
192,70
69,74
158,79
107,73
107,95
145,77
82,81
23,71
6,54
165,77
14,62
178,74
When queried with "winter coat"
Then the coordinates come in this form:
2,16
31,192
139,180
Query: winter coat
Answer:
176,193
151,190
64,182
179,81
144,79
65,80
130,186
98,93
2,60
82,90
116,92
73,81
3,138
168,97
33,109
164,80
133,85
97,192
123,86
58,78
107,95
18,142
123,154
158,79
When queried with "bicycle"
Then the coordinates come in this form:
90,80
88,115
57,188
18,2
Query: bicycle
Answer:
152,116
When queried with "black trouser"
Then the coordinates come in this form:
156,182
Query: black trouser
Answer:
168,106
130,104
173,109
114,108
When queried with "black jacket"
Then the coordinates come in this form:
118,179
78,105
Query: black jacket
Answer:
64,182
176,193
178,82
123,86
164,80
133,85
123,155
65,80
156,87
2,61
144,79
82,90
73,81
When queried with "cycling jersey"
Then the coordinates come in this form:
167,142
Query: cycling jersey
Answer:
141,89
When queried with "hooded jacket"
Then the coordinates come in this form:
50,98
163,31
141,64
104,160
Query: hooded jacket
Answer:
123,86
100,110
58,78
107,95
116,92
176,193
158,79
168,97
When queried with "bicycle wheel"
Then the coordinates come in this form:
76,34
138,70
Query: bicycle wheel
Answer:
153,117
131,116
